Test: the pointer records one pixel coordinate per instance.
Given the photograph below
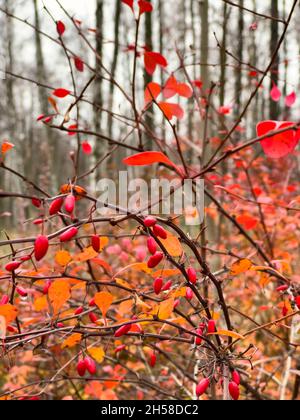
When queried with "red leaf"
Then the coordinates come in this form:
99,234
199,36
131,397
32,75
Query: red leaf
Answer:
72,127
148,158
275,94
225,110
61,93
279,145
171,110
145,7
152,60
129,3
152,92
198,84
173,87
79,64
87,148
60,26
247,222
290,99
170,89
6,147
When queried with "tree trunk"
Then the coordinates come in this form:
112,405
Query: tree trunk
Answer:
274,106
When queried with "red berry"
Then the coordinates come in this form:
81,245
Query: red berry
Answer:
93,317
56,206
36,202
120,348
282,288
60,26
160,232
90,365
47,287
123,331
96,243
22,292
40,117
79,311
92,302
41,247
167,286
150,221
285,311
234,391
153,360
60,325
192,275
236,377
202,387
157,285
155,260
25,258
176,303
11,329
68,235
298,301
199,340
4,300
189,294
12,266
211,327
81,368
38,222
152,246
70,203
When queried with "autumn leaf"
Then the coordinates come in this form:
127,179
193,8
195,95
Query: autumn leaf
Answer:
240,267
104,300
59,294
247,222
148,158
63,258
40,304
152,91
97,353
171,110
86,255
231,334
61,93
165,309
72,341
6,147
152,60
172,245
9,312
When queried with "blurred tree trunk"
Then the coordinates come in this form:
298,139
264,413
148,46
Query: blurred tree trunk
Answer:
98,85
148,78
44,147
274,106
240,56
161,50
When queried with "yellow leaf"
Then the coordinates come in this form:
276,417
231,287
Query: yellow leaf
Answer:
231,334
264,280
72,341
63,258
40,304
140,267
59,293
240,267
165,309
97,353
123,283
104,300
9,312
2,327
179,293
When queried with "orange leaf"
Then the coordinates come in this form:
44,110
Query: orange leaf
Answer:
165,309
40,304
63,258
247,222
240,267
53,103
6,147
9,312
59,293
104,300
166,273
72,341
86,255
172,245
